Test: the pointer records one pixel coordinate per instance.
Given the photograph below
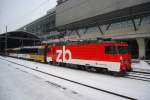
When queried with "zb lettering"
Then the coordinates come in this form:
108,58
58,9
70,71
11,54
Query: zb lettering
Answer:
63,55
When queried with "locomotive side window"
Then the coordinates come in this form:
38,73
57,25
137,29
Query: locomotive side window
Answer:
116,50
110,50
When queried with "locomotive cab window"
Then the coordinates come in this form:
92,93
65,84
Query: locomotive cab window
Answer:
116,50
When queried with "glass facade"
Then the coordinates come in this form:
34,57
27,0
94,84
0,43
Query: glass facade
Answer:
93,30
123,27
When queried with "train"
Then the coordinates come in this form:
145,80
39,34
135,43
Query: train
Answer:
107,56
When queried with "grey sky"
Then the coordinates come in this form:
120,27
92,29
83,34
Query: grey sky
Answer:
16,13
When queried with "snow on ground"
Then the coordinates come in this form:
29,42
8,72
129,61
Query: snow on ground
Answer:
74,91
129,87
141,66
18,85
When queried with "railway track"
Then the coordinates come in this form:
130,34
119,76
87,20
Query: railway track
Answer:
137,75
92,87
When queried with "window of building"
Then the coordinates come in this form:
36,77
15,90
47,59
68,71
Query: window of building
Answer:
92,30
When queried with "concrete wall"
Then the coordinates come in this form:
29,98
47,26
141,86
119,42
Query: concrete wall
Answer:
75,10
141,45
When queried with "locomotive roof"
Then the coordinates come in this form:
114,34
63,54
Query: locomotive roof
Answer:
86,42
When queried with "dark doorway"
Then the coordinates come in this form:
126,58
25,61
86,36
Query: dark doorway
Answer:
147,41
133,47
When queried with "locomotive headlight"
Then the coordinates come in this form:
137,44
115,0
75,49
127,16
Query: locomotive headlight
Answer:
121,58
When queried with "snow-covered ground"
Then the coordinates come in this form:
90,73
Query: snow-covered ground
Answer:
141,66
18,85
133,88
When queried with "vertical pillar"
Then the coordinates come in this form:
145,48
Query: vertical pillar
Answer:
142,47
0,45
6,44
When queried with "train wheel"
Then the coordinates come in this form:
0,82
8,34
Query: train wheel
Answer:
93,69
60,64
63,64
87,68
81,67
103,70
90,69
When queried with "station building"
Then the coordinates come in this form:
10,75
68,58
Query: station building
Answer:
43,25
123,20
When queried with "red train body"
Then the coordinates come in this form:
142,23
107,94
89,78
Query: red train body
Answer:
111,56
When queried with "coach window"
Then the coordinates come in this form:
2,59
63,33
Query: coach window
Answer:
41,51
33,50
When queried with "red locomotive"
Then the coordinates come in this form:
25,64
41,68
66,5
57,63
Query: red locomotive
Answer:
108,56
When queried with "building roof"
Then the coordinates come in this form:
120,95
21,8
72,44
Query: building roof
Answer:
110,17
17,38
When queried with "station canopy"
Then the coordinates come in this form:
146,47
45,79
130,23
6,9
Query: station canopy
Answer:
124,14
16,39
